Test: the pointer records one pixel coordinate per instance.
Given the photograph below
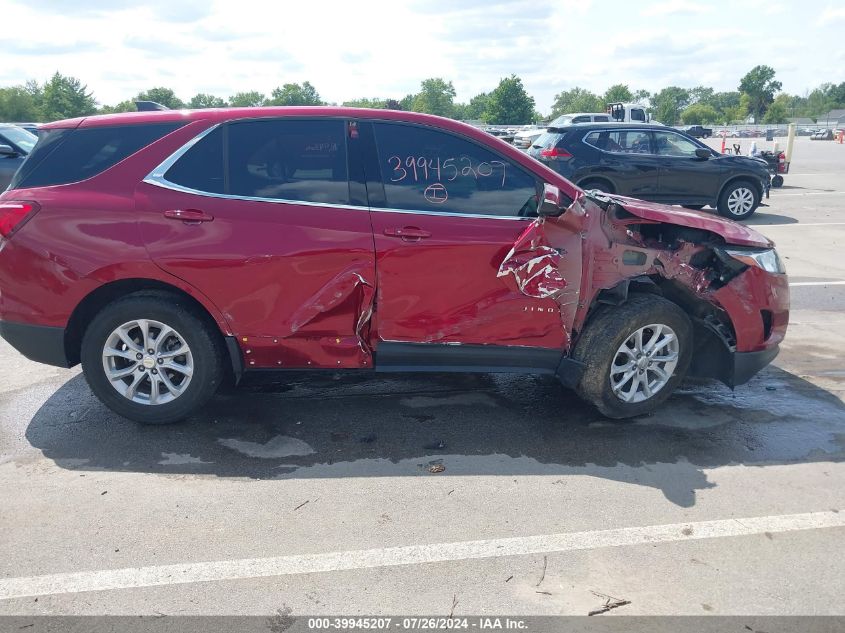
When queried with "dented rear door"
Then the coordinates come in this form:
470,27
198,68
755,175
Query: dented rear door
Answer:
265,218
447,214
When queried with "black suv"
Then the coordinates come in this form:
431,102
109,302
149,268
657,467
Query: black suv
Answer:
654,163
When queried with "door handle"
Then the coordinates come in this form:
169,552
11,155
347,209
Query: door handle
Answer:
408,233
188,216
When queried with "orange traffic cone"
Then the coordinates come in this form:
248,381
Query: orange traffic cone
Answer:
723,143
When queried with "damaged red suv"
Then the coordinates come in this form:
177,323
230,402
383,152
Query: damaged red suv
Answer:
167,250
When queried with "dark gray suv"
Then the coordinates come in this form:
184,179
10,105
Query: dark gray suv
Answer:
15,145
654,163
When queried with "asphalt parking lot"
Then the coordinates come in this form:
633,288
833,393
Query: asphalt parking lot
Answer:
446,493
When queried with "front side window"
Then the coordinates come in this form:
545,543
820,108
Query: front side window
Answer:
620,141
671,144
19,137
637,115
428,170
289,160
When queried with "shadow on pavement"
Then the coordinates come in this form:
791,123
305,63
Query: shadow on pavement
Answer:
770,218
408,425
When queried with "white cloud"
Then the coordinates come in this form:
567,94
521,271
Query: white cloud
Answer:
385,48
831,15
677,7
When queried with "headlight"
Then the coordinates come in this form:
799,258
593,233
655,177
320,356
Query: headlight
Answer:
767,259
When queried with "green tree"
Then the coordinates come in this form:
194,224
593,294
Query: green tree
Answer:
699,114
251,99
760,86
642,96
436,96
576,100
123,106
163,96
407,102
295,95
477,106
203,100
725,104
618,93
779,110
66,97
668,104
366,103
509,103
18,104
701,94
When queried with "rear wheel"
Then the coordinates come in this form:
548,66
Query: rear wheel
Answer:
635,355
739,200
777,181
150,358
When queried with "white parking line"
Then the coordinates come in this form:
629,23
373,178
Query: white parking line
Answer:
811,193
817,283
103,580
798,224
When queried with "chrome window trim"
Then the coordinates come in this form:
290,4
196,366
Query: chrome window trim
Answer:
157,179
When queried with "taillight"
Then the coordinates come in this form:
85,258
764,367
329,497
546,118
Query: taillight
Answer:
12,213
555,152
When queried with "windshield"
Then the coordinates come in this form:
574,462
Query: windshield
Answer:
20,137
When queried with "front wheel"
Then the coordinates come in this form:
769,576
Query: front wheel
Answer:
635,355
150,358
777,181
739,200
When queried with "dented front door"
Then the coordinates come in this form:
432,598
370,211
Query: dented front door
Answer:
273,237
447,213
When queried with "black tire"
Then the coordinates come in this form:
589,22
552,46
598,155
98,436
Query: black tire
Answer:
206,350
777,181
749,189
598,185
607,331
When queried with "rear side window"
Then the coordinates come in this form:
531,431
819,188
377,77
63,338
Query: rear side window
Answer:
64,156
601,118
637,115
423,169
289,160
201,167
620,141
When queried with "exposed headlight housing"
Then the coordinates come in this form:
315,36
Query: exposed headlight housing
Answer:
767,259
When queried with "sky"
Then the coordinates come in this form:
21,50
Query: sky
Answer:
385,48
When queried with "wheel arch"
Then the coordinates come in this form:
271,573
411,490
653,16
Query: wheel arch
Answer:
593,178
714,336
104,294
733,179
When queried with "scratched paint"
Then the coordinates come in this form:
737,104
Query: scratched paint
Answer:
534,264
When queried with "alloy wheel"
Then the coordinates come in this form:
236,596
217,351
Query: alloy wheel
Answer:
148,362
644,363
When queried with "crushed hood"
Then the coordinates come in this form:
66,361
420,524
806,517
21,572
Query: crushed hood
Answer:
732,232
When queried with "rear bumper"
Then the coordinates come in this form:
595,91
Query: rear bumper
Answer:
41,343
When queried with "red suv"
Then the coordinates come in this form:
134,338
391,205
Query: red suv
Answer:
168,250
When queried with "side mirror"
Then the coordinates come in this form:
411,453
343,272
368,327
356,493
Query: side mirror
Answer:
702,153
551,206
7,150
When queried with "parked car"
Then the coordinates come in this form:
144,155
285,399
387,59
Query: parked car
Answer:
169,250
15,145
580,117
662,165
822,135
29,127
697,131
524,138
